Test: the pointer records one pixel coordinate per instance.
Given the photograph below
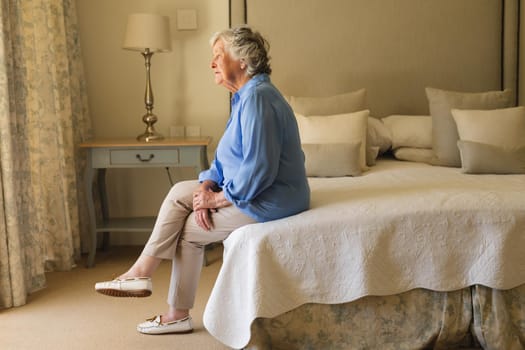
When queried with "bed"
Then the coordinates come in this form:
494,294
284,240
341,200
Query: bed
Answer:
415,235
443,233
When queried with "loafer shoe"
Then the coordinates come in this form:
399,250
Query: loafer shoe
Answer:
154,326
128,287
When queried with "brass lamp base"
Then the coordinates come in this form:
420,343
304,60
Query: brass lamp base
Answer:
150,134
150,137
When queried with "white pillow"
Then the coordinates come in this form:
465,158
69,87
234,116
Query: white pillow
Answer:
410,130
343,103
339,128
420,155
378,135
499,127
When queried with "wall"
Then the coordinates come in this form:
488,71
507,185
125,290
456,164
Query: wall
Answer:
394,49
183,88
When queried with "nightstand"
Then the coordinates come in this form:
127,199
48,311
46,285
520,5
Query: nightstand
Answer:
129,153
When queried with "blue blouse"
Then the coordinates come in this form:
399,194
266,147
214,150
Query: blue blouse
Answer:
259,163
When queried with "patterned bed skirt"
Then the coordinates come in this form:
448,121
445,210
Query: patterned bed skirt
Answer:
476,317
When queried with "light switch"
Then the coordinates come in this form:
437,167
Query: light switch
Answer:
186,19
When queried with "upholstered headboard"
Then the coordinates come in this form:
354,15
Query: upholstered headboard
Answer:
393,48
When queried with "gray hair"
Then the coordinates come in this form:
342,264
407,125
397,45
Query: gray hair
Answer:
248,46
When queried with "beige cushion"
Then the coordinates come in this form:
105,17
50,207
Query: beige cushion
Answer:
500,127
482,158
339,128
343,103
410,130
444,131
420,155
491,142
332,159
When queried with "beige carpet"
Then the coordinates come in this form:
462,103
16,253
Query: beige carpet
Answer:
69,314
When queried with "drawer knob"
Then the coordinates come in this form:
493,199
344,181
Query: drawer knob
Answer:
139,157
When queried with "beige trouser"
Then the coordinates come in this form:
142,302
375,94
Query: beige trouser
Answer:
177,237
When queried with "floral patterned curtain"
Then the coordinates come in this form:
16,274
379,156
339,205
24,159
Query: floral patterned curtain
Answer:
43,118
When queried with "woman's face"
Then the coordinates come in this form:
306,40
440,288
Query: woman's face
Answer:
227,71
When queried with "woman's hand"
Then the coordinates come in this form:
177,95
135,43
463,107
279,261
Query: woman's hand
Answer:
206,200
203,219
209,200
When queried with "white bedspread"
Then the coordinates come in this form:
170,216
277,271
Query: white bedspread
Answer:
399,226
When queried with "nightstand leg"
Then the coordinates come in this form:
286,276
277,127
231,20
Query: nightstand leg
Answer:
91,212
104,205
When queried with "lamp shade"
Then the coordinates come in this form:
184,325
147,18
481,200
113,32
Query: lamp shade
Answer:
147,31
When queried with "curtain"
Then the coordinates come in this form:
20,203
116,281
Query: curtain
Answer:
43,118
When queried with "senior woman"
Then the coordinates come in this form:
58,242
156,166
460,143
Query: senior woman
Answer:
257,175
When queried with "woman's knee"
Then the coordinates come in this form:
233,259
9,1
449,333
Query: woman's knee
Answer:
183,189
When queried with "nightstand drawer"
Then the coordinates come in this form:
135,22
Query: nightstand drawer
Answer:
144,156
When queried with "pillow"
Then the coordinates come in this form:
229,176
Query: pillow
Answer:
499,127
339,128
444,131
483,158
491,142
338,104
410,130
332,159
420,155
344,103
378,135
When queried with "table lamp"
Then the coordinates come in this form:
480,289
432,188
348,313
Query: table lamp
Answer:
148,33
